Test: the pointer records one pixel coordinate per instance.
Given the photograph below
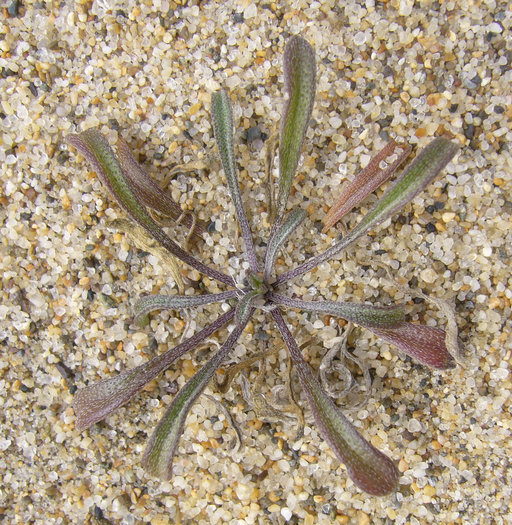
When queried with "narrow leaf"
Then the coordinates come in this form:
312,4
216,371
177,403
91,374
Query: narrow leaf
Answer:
150,303
271,145
162,445
365,315
95,148
415,177
95,402
300,84
281,235
245,304
150,193
379,169
420,172
370,469
425,344
223,130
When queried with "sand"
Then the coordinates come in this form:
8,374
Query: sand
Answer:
145,72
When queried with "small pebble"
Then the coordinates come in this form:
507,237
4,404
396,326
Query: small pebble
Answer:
286,513
360,38
448,216
414,425
428,275
253,133
13,8
405,7
250,11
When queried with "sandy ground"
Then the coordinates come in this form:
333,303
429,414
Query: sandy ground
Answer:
145,72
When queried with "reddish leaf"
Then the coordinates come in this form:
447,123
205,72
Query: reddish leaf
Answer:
425,344
379,169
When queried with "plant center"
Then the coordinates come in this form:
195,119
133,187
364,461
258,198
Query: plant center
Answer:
257,283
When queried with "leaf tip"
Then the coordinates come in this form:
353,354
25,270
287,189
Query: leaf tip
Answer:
82,414
382,482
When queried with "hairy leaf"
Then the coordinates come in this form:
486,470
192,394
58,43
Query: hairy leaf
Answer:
245,305
95,402
162,445
150,303
300,84
416,176
223,129
365,315
150,193
95,148
425,344
370,469
281,235
379,169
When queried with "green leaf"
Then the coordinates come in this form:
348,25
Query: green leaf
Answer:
162,445
223,129
95,148
281,235
150,303
300,85
425,344
415,177
245,304
365,315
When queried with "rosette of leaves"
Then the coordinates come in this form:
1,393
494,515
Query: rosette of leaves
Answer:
370,469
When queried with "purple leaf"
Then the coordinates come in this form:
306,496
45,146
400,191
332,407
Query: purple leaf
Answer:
162,445
425,344
95,148
367,181
415,177
370,469
149,192
95,402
